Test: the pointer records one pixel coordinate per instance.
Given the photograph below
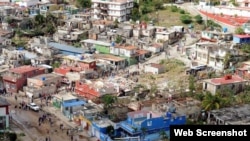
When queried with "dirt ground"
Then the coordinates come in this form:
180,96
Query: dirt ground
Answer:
174,75
168,18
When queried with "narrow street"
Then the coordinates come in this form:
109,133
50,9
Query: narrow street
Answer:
28,120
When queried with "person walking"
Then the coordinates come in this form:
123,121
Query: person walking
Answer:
67,132
72,138
15,97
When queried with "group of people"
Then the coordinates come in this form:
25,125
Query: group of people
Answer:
43,118
47,139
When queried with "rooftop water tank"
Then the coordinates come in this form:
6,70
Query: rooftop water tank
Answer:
43,78
172,109
168,114
224,29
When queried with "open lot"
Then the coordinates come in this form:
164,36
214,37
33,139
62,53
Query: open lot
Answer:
168,18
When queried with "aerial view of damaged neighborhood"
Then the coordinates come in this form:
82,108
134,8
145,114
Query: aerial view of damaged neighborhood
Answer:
121,70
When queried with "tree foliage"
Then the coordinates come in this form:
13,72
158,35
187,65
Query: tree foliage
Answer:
135,15
191,85
163,135
198,19
239,30
246,48
83,3
174,9
108,100
118,39
110,130
212,102
186,19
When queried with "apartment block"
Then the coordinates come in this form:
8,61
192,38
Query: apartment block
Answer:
112,9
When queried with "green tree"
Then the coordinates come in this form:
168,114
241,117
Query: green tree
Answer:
39,20
191,84
110,130
83,3
198,19
135,15
108,100
243,98
246,48
118,39
145,10
56,64
144,131
228,97
49,29
163,135
51,19
211,102
116,23
186,19
174,9
158,5
182,12
239,30
145,18
227,60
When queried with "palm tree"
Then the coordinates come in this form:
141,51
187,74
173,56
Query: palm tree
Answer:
135,129
212,102
144,131
163,135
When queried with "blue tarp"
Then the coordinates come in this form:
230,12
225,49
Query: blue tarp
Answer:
73,103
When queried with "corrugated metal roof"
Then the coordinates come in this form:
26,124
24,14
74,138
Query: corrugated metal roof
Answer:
67,48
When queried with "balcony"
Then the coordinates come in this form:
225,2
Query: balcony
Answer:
104,7
104,13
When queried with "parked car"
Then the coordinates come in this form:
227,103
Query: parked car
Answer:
33,106
179,2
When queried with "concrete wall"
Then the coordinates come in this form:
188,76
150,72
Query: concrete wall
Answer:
235,87
226,11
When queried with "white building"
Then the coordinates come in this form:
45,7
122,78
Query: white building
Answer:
154,68
27,3
112,9
227,8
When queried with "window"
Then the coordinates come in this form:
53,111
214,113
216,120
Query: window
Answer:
205,86
149,123
218,87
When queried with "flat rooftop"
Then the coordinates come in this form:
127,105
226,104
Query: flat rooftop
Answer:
91,41
24,69
46,76
108,57
225,81
233,115
65,96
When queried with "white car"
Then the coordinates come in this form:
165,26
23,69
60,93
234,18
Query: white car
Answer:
34,107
